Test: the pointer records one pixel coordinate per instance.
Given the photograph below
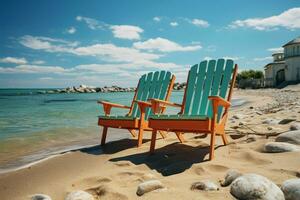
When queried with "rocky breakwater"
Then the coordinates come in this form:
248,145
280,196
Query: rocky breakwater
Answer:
89,89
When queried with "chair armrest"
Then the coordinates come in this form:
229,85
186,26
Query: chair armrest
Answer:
153,101
143,103
106,103
219,101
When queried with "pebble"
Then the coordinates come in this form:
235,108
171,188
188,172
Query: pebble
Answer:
291,189
79,195
230,176
205,185
295,126
40,197
254,186
271,121
279,147
148,186
292,137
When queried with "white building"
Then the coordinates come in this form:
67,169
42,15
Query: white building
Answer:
285,67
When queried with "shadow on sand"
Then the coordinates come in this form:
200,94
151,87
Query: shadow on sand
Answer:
112,147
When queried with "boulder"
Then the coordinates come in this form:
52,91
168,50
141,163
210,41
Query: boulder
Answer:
292,137
40,197
148,186
279,147
79,195
205,185
230,176
254,186
295,126
291,189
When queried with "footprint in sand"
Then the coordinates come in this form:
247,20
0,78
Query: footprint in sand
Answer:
104,192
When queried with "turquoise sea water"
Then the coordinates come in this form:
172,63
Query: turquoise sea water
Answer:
33,125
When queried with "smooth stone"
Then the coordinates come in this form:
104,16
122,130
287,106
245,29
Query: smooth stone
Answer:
40,197
295,126
251,138
148,186
271,121
286,121
292,137
205,185
230,176
254,186
279,147
291,189
79,195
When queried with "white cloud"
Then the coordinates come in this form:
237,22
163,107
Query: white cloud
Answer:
232,58
289,19
173,24
164,45
207,58
32,69
71,30
47,44
200,23
110,52
13,60
276,49
92,23
126,32
38,62
157,19
268,58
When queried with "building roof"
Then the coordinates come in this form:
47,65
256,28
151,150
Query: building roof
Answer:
294,41
277,53
274,63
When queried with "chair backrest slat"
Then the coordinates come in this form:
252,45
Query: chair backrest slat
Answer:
207,87
190,89
151,85
199,87
207,79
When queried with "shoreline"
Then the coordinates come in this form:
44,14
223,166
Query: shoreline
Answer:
38,156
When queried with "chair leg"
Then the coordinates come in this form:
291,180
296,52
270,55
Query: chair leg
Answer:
153,140
104,133
132,132
163,134
212,145
180,137
224,138
140,137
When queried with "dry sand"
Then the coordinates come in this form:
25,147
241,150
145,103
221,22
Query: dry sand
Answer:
116,172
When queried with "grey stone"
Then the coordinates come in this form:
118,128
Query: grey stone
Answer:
295,126
286,121
40,197
255,187
79,195
292,137
291,189
230,176
205,185
279,147
271,121
148,186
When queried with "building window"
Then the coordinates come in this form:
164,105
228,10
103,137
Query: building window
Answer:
298,50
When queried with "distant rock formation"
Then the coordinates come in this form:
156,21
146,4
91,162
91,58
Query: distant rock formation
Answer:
91,89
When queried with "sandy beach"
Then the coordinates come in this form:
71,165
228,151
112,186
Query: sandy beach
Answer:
116,170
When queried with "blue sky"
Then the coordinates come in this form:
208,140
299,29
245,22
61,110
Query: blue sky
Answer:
64,43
